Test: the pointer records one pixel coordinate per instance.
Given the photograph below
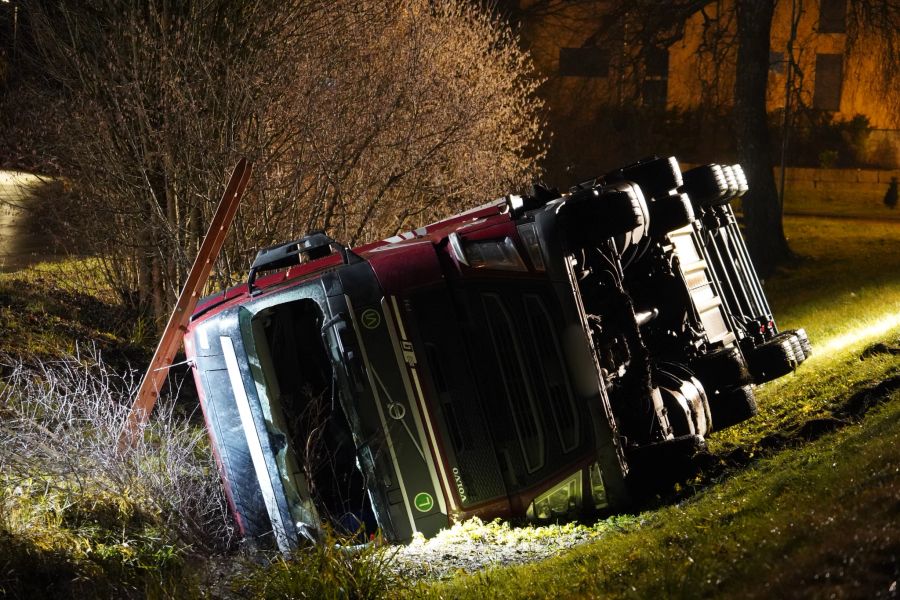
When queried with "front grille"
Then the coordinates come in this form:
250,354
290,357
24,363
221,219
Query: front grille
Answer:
549,368
518,393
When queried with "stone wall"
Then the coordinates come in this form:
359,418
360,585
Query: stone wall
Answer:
837,192
836,180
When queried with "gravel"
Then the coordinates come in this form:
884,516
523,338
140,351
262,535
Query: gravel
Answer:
474,545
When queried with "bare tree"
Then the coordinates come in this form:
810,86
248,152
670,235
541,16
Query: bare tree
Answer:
762,210
361,116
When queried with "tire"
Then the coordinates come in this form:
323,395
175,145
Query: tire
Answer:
684,399
670,213
732,406
591,217
657,176
800,334
722,369
798,349
771,360
635,235
706,186
796,346
702,421
678,411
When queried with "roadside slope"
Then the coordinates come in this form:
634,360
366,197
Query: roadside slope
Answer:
820,520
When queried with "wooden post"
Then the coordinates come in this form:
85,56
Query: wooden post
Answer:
170,341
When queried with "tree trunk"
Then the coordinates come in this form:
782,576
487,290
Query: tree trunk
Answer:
762,212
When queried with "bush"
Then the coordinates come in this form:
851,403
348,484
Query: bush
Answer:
79,515
816,139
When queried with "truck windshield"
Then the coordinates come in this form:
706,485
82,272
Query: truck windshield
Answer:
315,449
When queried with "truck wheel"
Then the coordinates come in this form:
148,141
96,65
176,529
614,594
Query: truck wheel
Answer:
678,410
697,396
591,217
771,360
684,398
706,186
657,176
796,346
670,213
732,406
722,369
805,344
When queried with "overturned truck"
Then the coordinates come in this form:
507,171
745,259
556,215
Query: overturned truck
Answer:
538,357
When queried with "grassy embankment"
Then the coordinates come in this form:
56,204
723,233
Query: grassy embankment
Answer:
50,309
802,519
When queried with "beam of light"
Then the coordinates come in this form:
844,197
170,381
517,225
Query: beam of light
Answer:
15,184
19,178
879,327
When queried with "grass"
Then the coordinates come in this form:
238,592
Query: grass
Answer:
869,205
49,308
855,205
74,521
817,521
332,570
846,280
61,542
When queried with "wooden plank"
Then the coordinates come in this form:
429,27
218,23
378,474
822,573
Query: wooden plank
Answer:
170,342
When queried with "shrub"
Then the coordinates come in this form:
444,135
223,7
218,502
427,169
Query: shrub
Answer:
75,511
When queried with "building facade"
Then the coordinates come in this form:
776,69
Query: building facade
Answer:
597,60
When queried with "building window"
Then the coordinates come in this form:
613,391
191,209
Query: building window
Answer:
833,16
653,93
829,80
656,62
776,62
583,62
656,78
